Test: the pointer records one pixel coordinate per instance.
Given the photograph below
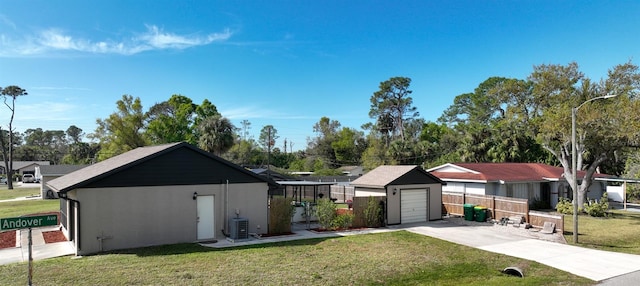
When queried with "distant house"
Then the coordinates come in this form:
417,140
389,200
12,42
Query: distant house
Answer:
24,167
532,181
165,194
352,171
412,194
50,172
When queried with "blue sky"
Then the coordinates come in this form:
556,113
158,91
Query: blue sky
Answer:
289,63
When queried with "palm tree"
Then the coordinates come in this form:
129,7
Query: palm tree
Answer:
216,134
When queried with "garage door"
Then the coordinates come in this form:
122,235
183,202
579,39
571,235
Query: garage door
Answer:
413,206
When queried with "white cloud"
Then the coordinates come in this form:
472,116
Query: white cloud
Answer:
56,40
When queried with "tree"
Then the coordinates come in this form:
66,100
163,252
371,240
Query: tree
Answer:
392,105
171,121
245,152
493,123
216,134
348,146
246,125
7,146
74,134
320,147
604,127
268,136
122,131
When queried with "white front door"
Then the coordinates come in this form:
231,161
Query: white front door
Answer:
413,206
206,222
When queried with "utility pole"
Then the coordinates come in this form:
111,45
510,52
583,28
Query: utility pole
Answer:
269,152
285,146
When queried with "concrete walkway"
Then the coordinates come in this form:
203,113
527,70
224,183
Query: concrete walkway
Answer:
39,249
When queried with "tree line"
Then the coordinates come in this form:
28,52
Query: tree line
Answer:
502,120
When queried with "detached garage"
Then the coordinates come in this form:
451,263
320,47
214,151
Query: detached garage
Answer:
156,195
412,194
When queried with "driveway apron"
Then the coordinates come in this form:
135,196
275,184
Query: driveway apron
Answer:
594,264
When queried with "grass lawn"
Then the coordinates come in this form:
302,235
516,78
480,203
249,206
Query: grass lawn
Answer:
393,258
619,233
6,194
19,208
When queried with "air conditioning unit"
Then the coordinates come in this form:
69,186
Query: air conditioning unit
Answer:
239,228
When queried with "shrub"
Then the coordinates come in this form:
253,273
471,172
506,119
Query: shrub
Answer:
564,206
372,213
597,209
342,221
326,212
281,211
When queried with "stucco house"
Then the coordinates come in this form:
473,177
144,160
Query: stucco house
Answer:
156,195
412,194
532,181
24,167
50,172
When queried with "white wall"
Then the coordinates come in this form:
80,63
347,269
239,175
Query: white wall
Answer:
468,188
615,193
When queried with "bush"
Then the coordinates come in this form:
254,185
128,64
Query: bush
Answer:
564,206
342,221
597,209
372,213
326,212
281,211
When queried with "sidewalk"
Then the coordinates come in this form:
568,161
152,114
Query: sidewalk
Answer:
40,249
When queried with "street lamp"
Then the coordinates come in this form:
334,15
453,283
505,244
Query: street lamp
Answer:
574,163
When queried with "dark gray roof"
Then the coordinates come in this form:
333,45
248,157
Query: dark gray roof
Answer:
17,165
59,170
88,175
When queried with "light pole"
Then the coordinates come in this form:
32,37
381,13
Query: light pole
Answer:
574,163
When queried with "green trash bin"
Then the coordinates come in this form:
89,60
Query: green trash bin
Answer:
480,213
468,211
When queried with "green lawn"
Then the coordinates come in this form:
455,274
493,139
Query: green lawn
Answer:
19,208
619,232
393,258
6,194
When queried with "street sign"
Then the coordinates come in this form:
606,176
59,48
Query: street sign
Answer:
27,222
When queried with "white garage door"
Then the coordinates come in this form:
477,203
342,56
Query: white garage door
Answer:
413,206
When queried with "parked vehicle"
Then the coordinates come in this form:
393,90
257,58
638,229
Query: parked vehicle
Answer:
28,178
3,180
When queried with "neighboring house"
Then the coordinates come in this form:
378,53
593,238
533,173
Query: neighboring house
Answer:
352,171
532,181
24,167
412,194
166,194
50,172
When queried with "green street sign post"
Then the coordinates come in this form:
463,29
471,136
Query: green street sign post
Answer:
28,222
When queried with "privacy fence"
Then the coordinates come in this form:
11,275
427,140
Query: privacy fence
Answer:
499,207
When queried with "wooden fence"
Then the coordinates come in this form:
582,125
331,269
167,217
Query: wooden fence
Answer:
537,219
499,207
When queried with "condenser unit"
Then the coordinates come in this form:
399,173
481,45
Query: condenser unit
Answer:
239,228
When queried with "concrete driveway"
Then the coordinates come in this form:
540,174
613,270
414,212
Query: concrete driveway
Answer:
596,265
